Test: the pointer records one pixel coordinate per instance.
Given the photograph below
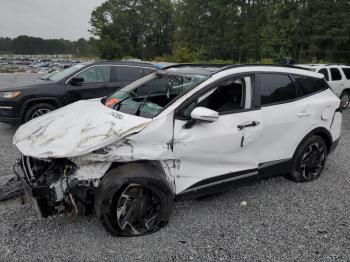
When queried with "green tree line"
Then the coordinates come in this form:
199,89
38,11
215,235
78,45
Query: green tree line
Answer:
26,45
214,30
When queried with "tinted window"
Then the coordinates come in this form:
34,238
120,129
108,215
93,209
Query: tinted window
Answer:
309,85
324,72
146,71
346,71
130,74
335,73
96,74
276,88
126,74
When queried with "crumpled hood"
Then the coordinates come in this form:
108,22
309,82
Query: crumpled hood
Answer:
76,130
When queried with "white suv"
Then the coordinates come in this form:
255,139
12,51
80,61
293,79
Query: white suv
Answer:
338,77
184,131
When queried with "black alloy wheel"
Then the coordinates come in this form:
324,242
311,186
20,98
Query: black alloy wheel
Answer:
309,159
137,209
313,161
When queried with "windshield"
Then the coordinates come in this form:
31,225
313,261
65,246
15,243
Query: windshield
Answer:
63,74
150,95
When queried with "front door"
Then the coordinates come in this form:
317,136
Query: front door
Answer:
210,154
96,83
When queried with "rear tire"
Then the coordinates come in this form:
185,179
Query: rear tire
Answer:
345,100
38,110
309,159
133,200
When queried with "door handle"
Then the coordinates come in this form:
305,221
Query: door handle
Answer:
248,124
304,113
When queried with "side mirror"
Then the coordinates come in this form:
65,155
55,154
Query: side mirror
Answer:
204,114
76,81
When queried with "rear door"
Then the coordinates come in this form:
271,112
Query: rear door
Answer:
213,154
292,106
286,119
96,83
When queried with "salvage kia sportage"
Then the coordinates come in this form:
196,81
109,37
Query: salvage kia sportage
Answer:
184,131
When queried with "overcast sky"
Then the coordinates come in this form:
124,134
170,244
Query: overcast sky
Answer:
67,19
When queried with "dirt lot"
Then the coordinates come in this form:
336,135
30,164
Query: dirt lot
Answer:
282,221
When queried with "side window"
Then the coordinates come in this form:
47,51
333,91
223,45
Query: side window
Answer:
96,74
146,71
346,71
276,88
229,96
128,73
309,85
324,72
335,73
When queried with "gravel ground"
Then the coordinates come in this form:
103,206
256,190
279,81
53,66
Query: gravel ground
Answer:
282,221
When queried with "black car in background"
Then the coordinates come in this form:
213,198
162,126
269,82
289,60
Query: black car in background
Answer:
81,81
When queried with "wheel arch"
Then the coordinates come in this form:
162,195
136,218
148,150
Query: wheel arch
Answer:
34,101
347,89
153,163
319,131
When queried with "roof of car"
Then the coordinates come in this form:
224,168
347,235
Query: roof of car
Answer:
320,65
126,63
211,69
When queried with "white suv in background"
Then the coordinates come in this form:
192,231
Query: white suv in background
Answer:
338,77
183,131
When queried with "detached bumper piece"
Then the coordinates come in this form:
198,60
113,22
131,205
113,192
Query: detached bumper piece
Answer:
46,182
9,191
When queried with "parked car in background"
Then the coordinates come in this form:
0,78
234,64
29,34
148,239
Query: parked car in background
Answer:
20,104
184,131
338,77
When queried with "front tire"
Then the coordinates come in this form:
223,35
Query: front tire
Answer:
37,111
345,100
309,159
133,200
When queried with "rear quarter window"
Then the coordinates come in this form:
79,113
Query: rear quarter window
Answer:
309,85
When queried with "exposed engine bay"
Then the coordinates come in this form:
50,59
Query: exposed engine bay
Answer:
54,186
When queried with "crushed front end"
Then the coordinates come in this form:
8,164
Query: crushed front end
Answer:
53,185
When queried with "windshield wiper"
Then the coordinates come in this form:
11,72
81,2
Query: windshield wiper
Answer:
138,111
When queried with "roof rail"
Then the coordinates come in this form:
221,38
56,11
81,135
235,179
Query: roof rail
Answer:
195,65
223,67
337,64
272,65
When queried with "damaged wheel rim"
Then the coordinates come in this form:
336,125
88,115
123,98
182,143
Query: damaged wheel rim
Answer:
137,210
312,161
